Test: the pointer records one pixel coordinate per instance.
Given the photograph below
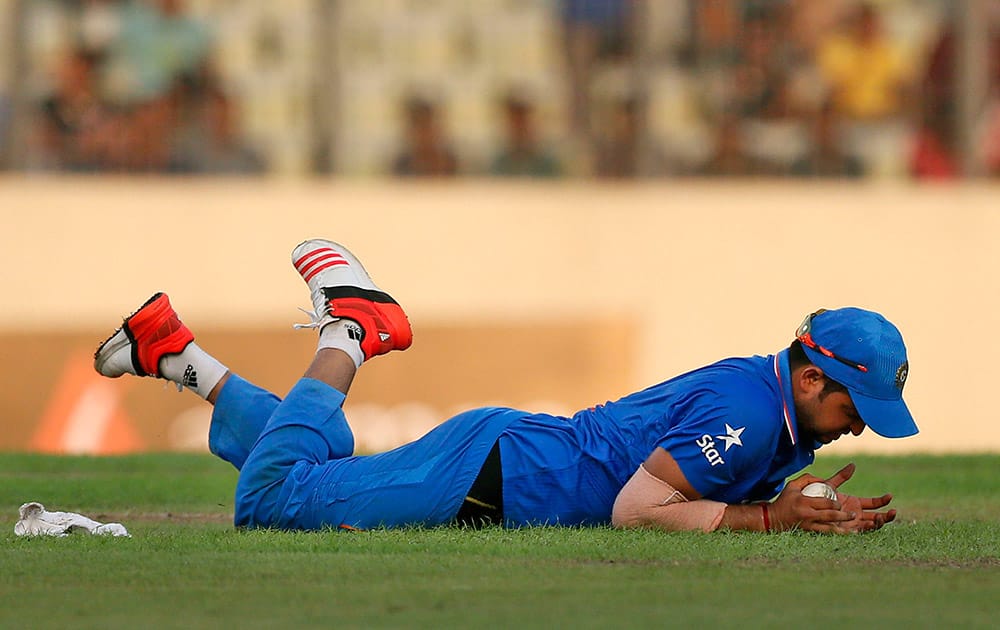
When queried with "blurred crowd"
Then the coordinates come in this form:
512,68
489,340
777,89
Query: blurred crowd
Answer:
772,88
137,93
791,88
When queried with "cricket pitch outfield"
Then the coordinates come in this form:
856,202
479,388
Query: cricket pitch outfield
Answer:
186,567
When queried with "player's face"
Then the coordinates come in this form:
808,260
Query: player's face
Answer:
828,417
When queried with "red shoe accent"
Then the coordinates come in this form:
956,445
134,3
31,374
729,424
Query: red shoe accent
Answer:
155,330
317,261
385,324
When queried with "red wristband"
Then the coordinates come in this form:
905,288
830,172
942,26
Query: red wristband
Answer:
767,517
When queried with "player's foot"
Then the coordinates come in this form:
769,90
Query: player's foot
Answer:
145,336
341,289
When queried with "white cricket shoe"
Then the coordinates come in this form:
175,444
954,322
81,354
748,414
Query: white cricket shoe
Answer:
340,288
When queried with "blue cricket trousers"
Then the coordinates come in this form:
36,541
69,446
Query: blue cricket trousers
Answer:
298,470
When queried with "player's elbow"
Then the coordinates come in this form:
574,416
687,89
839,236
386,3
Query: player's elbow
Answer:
631,512
632,508
640,498
623,519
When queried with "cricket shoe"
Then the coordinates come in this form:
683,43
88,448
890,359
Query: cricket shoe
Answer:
341,289
143,338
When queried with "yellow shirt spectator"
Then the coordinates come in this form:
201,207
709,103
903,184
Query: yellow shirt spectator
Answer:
866,75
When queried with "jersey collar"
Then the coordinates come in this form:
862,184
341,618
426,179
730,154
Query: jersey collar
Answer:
783,373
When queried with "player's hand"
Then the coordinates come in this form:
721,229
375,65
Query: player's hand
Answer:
847,515
866,519
813,514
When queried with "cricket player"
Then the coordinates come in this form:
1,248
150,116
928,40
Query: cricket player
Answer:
706,450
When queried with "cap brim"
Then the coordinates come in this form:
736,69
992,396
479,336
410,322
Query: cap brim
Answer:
888,418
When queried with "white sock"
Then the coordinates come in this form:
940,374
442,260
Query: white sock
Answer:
193,368
343,334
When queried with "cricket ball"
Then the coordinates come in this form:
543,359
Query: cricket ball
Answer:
820,489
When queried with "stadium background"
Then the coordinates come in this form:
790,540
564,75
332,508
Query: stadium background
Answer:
676,207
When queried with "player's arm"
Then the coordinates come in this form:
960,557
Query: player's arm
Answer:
660,496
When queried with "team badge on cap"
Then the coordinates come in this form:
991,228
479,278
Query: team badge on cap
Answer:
901,373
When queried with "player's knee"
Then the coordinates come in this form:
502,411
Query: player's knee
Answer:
256,500
341,442
275,495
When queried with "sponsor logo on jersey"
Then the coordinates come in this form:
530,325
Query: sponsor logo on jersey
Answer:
732,437
710,449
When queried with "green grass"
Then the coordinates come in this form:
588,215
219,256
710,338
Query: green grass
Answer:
938,565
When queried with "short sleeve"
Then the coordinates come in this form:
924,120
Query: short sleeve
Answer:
722,442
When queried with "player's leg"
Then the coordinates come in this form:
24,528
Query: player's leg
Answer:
154,342
425,483
357,321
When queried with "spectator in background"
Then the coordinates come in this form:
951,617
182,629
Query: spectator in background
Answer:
989,147
714,34
939,81
593,30
991,138
623,150
208,139
870,83
150,127
99,23
426,152
933,154
825,156
939,88
730,157
618,147
761,81
74,131
5,124
157,43
759,74
140,135
867,74
522,156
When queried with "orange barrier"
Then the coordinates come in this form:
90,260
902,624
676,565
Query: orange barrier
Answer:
85,415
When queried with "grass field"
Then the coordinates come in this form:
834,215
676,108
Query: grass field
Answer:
937,566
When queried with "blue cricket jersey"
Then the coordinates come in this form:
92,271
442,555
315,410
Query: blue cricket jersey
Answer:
730,426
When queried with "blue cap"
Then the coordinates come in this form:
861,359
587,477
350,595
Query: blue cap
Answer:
865,353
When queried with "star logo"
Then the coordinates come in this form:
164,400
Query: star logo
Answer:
732,436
